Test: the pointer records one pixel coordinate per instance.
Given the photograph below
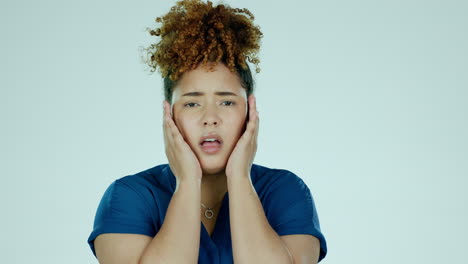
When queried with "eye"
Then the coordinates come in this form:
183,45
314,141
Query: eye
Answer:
229,103
189,105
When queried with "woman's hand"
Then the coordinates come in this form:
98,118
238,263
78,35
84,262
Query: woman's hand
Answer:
241,159
183,162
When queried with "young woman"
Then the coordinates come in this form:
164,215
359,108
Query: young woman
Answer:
210,203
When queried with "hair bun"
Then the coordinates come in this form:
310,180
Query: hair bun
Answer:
195,32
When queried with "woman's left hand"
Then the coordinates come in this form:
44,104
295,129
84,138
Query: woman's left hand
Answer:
241,159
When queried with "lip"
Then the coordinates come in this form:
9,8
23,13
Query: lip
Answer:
211,149
211,135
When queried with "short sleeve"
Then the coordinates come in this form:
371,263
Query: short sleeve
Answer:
121,210
290,209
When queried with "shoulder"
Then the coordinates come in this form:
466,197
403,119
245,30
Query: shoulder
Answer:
266,174
150,188
155,178
267,180
262,171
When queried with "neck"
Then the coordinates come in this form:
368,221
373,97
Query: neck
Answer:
213,188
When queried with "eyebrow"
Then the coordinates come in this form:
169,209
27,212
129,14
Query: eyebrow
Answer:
221,93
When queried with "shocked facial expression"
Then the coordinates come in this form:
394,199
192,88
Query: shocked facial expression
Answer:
210,110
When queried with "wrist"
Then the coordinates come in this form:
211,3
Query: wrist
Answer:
188,182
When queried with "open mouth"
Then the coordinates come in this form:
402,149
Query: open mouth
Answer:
211,143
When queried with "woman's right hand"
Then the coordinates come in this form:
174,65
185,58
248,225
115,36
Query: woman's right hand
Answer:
183,162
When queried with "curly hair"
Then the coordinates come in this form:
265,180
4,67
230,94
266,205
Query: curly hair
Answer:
194,33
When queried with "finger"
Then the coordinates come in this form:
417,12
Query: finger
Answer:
254,103
164,118
166,129
168,122
170,127
173,130
257,126
251,106
248,128
257,120
251,124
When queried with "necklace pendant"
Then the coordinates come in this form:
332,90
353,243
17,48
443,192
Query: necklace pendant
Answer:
209,213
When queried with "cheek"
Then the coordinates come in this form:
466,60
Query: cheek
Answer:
185,125
180,123
237,121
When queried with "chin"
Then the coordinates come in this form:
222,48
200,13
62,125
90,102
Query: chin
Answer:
212,167
212,171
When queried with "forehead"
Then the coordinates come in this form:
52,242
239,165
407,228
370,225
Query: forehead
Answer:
209,82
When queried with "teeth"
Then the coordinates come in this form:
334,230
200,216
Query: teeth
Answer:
210,139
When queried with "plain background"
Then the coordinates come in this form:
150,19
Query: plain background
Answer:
364,100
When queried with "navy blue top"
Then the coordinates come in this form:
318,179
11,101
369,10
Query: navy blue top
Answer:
137,204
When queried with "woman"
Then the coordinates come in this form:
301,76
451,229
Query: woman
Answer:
248,213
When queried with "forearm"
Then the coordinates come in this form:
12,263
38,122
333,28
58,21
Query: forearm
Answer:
178,240
253,239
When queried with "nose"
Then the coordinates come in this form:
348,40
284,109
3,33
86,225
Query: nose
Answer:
211,117
210,122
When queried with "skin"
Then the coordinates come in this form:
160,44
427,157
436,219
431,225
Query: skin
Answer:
188,118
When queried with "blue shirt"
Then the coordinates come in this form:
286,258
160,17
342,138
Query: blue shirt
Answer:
137,204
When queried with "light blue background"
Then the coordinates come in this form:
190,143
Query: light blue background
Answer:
365,100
